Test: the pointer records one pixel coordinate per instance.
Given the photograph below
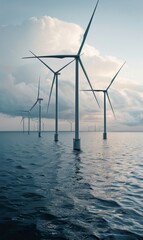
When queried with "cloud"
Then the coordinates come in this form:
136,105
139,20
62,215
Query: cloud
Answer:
47,35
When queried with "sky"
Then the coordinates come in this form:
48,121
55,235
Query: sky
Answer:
53,27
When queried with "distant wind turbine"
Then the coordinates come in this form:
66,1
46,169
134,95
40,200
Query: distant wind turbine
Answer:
55,78
105,92
23,121
28,112
76,141
70,122
39,100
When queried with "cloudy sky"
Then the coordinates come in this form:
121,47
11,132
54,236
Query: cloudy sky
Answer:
51,27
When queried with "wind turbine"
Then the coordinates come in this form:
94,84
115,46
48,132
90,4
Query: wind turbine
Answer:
70,122
22,121
76,140
28,112
55,80
39,100
105,92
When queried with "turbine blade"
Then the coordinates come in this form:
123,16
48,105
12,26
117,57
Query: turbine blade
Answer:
38,89
94,90
87,29
43,62
53,56
88,81
115,76
22,119
25,111
34,105
51,92
65,65
110,104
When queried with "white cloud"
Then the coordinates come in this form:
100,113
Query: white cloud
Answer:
19,78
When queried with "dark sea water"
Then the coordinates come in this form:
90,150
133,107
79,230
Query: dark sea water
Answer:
48,191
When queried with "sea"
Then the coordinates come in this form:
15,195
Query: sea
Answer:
49,191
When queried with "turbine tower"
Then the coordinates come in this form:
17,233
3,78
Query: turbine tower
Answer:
105,92
76,140
23,125
28,113
55,80
39,100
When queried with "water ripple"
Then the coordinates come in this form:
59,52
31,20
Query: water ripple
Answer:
48,191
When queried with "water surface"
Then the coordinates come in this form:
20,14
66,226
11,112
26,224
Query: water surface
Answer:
48,191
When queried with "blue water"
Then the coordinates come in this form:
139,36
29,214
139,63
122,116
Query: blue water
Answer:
48,191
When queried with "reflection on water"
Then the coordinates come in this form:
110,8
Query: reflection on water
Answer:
48,191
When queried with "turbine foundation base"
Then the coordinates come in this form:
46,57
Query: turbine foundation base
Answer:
39,134
76,144
104,136
56,137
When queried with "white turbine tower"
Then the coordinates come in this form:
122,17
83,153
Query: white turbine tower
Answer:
105,92
23,123
39,100
28,113
55,80
76,141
